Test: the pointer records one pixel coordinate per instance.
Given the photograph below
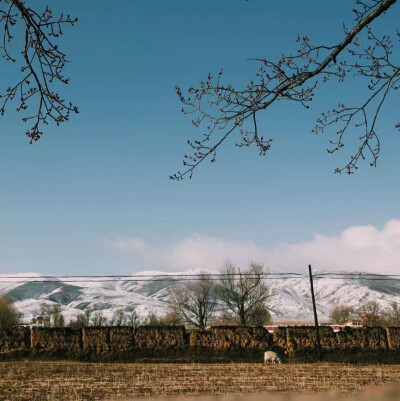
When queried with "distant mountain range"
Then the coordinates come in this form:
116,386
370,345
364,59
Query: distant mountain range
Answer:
291,299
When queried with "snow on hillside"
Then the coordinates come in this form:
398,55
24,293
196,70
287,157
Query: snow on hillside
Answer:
290,299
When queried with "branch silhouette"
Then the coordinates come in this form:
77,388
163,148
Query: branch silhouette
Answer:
294,77
42,65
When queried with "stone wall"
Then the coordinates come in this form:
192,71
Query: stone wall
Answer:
231,337
368,338
96,339
56,339
154,337
15,339
393,337
305,337
121,339
296,341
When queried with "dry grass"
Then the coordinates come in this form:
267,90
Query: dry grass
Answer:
84,381
390,392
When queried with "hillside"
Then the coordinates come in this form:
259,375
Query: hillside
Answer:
290,300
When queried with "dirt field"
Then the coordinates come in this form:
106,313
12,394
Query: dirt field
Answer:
83,381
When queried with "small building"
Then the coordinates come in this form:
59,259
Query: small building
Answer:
37,321
336,327
271,329
371,318
354,323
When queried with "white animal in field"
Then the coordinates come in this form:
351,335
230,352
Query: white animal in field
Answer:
271,356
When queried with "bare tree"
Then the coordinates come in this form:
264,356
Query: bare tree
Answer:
42,64
98,319
341,314
46,311
79,322
244,293
194,302
133,318
118,319
393,315
225,109
83,319
153,320
259,315
58,318
169,319
52,315
9,315
371,313
87,314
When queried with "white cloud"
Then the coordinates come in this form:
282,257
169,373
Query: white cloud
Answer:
362,248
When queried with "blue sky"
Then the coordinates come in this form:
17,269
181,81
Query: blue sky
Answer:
101,178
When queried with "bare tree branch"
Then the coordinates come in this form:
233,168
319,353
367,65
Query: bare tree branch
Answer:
42,65
226,109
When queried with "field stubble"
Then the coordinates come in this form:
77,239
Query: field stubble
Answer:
85,381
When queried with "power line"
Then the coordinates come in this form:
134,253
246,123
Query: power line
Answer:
179,275
131,280
192,277
356,274
155,275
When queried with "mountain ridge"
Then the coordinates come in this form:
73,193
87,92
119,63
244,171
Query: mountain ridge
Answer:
290,300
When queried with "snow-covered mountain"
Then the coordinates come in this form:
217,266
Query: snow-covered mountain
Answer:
290,301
